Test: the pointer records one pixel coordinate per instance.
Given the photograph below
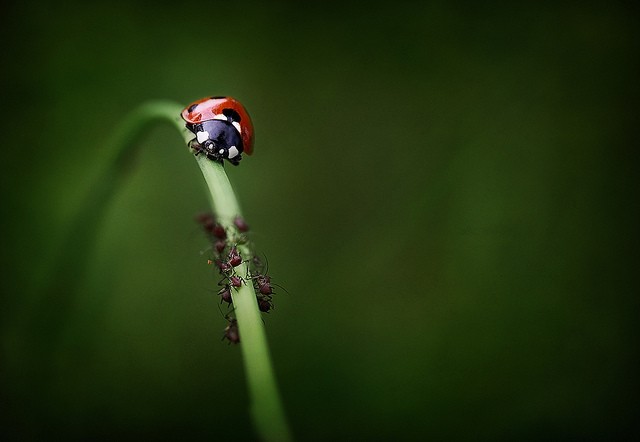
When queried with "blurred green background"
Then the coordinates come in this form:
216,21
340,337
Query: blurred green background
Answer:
446,190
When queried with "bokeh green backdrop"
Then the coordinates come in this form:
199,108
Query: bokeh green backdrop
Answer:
446,190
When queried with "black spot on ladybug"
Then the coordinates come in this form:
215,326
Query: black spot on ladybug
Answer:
217,97
192,107
231,115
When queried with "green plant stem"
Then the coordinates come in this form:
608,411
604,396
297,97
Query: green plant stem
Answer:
266,406
266,409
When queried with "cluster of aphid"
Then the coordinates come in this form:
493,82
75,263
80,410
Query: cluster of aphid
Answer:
227,258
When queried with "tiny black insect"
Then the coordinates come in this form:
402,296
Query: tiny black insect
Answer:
234,257
225,294
231,332
241,224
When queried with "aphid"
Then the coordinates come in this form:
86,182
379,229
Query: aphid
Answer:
203,218
225,294
218,231
235,281
263,284
210,225
234,257
207,221
224,266
240,224
222,128
220,245
264,303
231,332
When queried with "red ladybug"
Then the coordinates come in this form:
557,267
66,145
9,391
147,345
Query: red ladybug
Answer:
222,127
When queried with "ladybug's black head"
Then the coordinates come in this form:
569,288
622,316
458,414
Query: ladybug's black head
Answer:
219,139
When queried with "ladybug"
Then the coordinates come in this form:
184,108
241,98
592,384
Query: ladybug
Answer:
222,129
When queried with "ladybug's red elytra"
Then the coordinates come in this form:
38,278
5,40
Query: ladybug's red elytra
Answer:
222,128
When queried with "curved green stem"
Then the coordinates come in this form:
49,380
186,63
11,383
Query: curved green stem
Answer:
266,407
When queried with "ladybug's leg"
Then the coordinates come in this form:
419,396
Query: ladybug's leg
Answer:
197,147
212,156
236,160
